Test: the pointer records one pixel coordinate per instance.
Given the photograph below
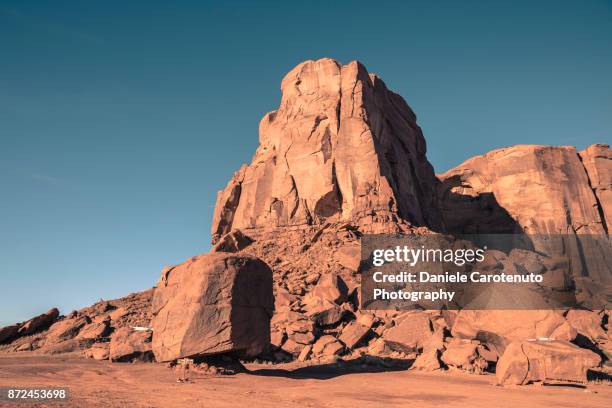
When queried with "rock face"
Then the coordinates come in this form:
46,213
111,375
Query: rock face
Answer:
527,188
597,160
550,361
559,198
340,146
211,304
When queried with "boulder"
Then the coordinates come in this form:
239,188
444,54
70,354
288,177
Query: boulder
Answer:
427,361
118,313
128,344
353,333
292,347
524,362
38,323
305,353
332,288
94,330
327,346
379,347
340,146
489,355
283,300
66,329
9,333
409,333
24,347
98,351
510,325
277,336
62,347
324,312
233,241
213,303
460,354
435,341
587,323
301,331
349,256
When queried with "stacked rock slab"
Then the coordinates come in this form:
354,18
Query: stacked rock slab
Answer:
210,304
340,146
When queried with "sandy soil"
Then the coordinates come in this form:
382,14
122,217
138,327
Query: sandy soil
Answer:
103,384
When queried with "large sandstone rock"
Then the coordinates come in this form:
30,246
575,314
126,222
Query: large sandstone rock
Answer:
327,346
530,188
340,145
551,361
587,323
39,322
210,304
98,351
509,325
353,333
66,329
331,287
128,344
410,333
428,361
460,354
597,160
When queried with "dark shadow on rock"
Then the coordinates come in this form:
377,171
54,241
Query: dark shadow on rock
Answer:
467,217
593,375
366,364
584,342
466,214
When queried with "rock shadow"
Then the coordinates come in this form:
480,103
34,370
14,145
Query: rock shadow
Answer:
366,364
468,216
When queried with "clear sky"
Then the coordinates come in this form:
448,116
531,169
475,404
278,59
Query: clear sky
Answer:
119,121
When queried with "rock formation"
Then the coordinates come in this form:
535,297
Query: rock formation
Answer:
528,188
341,157
210,304
128,344
87,329
340,146
597,161
554,194
544,361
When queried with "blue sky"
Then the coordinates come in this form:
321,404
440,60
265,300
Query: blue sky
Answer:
119,121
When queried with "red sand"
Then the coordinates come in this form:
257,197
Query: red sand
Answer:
103,384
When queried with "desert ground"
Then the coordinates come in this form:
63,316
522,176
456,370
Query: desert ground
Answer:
104,384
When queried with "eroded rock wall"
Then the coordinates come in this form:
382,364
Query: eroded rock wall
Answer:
340,146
